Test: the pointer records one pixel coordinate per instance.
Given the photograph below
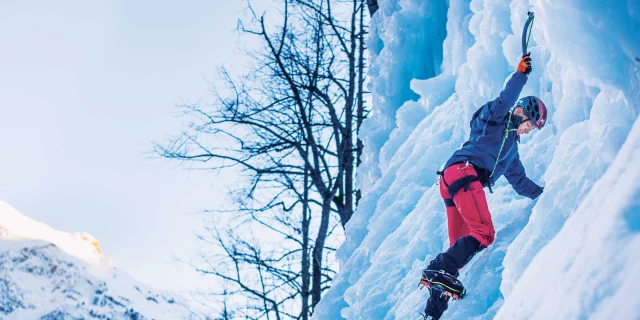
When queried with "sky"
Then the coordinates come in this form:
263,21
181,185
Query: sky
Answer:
86,87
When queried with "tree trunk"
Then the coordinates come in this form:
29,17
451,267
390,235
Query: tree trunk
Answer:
316,289
305,245
351,102
360,104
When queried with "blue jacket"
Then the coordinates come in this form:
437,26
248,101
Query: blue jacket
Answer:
487,131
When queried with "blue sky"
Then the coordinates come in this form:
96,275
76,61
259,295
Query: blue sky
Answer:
85,88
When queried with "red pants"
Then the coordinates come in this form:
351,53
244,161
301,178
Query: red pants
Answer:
470,215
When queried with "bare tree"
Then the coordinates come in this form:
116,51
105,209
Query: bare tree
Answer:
341,85
289,126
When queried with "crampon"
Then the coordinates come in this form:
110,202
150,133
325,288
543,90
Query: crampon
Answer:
443,282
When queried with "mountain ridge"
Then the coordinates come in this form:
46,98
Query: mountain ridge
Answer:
49,274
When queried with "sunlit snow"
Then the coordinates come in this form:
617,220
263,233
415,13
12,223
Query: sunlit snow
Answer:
50,274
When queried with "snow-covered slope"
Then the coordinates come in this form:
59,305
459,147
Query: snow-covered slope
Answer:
49,274
573,253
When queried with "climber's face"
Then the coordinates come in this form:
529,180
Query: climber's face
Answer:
527,125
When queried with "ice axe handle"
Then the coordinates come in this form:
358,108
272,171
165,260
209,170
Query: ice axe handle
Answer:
526,32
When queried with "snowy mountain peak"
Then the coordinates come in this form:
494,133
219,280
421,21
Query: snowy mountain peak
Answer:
49,274
78,244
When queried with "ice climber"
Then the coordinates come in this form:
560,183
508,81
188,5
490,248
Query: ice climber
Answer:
490,152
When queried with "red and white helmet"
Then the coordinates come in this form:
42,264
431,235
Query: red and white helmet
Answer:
535,109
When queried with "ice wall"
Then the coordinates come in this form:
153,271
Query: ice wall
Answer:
591,269
585,69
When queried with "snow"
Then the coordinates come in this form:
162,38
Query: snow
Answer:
572,254
50,274
595,253
81,245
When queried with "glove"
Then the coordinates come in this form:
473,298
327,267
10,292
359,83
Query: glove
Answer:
525,64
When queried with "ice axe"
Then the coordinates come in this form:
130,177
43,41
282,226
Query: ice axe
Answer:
526,33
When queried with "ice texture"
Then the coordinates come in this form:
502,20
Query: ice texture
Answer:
572,253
